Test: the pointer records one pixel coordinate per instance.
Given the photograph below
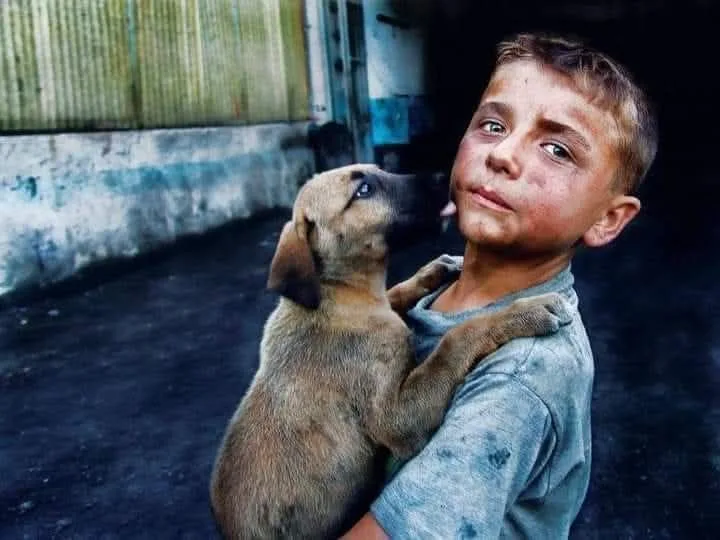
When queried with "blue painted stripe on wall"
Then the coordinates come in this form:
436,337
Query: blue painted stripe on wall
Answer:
179,175
396,120
389,117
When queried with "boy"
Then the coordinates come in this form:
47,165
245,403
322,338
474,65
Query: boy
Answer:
559,143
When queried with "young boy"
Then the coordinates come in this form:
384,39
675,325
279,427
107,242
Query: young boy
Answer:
550,161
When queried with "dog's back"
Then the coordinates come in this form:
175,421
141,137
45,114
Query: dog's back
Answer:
304,466
298,457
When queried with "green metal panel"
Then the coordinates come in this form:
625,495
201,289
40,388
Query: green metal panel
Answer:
260,64
294,47
105,64
18,80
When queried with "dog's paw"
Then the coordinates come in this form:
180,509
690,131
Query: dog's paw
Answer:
541,314
436,272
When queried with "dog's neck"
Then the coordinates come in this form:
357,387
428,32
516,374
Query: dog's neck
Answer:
356,289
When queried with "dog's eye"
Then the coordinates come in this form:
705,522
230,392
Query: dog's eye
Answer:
364,190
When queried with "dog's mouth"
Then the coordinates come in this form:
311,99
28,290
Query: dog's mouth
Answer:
421,205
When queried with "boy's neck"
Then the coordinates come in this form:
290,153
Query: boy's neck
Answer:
486,277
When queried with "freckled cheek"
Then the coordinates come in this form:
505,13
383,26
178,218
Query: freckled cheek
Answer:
538,180
468,159
471,147
550,209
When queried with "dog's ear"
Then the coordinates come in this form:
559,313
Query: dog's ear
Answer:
292,271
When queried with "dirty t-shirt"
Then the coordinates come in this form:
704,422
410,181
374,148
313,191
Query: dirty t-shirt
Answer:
512,456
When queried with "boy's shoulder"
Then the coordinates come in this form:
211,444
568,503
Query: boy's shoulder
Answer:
565,354
557,368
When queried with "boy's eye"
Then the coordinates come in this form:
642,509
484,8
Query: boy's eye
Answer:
491,126
557,151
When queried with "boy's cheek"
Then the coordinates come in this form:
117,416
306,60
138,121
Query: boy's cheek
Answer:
468,157
462,176
538,180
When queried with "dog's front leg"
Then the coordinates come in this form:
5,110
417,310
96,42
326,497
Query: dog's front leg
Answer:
407,409
406,294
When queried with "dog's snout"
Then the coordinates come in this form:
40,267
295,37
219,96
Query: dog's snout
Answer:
436,184
439,179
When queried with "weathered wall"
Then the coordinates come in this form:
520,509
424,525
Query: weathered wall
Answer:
68,200
396,72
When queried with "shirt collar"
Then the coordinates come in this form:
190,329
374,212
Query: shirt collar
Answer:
561,282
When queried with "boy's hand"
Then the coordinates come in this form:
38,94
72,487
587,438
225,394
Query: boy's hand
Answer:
366,529
404,295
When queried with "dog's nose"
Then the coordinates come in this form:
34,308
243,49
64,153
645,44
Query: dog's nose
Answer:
434,191
437,183
439,178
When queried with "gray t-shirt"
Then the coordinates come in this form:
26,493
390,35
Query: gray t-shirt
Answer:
512,456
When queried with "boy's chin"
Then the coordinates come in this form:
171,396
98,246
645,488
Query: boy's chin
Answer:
485,242
483,232
517,248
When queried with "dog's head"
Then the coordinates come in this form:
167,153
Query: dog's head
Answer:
344,223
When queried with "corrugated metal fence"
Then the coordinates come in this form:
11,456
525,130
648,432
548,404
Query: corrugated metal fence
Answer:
106,64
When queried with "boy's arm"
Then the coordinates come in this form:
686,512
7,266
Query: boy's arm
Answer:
493,441
366,529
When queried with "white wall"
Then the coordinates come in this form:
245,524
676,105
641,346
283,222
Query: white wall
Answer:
318,68
395,55
68,200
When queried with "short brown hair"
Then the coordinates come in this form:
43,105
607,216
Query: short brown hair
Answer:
607,84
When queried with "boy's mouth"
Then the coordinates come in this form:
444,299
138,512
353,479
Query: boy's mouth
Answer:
486,196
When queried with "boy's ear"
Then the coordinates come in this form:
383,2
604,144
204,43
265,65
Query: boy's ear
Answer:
292,270
621,211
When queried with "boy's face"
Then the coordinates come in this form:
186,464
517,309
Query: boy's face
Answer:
534,169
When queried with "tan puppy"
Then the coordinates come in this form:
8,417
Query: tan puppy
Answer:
337,384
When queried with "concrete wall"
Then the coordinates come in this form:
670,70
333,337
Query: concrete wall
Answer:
68,200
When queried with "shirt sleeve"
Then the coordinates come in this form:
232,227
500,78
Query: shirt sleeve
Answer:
495,438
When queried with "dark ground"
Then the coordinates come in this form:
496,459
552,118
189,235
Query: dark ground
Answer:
115,389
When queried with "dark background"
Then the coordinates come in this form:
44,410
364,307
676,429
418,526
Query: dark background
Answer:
650,300
115,387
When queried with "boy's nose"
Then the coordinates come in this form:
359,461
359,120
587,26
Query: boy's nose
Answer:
503,158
